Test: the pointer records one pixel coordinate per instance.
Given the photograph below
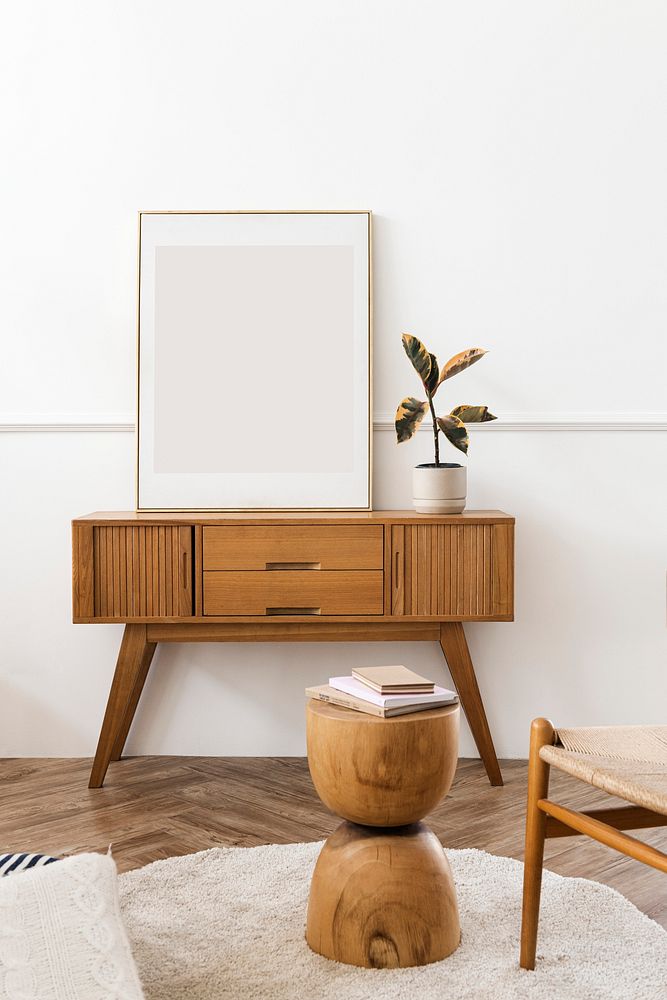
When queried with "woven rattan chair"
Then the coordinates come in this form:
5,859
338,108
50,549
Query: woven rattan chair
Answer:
627,761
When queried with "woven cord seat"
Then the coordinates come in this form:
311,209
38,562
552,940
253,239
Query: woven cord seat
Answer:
627,761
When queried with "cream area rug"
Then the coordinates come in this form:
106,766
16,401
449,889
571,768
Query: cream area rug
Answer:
229,923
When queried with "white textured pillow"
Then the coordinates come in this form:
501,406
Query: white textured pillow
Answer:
61,934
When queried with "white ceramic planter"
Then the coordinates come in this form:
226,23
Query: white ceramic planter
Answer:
439,490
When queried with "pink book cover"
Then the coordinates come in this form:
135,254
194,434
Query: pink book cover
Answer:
350,685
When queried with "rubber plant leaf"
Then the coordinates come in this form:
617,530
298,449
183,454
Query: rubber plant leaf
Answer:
434,376
460,362
473,414
424,363
455,431
409,415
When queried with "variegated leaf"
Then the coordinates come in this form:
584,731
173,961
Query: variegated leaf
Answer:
460,362
409,415
455,431
434,375
425,364
473,414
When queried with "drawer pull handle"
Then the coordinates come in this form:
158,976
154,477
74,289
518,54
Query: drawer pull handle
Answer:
293,565
294,611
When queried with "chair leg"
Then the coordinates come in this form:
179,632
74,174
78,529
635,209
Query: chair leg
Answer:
541,734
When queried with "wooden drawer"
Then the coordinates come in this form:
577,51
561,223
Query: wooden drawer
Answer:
324,547
293,592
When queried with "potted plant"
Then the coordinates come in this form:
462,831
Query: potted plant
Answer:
438,487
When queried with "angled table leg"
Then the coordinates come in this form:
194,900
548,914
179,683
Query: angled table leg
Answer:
144,666
457,654
134,659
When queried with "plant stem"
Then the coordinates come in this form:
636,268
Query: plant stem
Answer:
435,430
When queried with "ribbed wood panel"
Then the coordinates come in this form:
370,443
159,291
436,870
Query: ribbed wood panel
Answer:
451,570
142,571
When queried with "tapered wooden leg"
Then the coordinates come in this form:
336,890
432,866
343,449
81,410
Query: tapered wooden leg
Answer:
457,654
131,668
144,667
541,734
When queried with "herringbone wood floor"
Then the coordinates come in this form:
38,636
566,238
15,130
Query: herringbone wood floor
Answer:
157,807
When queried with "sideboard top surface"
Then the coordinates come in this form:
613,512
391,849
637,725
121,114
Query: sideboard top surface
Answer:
297,517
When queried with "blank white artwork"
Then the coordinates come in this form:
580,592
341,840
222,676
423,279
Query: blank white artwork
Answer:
254,361
251,389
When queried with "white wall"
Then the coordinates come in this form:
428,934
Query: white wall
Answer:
514,155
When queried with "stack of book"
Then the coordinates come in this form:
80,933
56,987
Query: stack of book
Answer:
383,691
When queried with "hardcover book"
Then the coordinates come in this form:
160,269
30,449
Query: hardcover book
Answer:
324,692
388,680
354,687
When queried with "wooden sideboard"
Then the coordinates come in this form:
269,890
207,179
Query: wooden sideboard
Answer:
290,577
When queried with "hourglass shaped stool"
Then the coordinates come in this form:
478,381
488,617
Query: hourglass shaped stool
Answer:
382,894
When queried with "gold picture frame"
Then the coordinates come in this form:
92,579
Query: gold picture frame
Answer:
366,505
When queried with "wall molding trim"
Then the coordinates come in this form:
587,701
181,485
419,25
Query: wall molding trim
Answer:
66,423
554,421
123,423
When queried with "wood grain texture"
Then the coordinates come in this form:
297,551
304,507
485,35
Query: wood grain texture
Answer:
123,572
83,584
198,575
233,570
383,900
460,571
158,807
132,666
133,700
455,648
282,630
541,734
546,818
381,772
502,569
150,568
329,547
607,834
623,818
296,517
330,592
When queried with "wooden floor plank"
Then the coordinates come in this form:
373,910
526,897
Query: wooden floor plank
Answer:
158,807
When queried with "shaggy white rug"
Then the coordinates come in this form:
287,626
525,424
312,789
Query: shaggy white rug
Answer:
229,923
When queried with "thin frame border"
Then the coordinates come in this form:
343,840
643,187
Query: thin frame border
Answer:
250,510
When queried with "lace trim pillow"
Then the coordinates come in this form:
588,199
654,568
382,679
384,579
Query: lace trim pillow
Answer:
10,863
61,934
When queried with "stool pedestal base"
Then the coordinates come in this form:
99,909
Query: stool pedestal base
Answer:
383,898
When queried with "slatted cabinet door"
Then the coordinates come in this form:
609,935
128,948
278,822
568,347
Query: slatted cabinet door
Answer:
133,571
458,571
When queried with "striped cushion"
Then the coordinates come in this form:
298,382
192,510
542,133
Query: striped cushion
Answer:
10,863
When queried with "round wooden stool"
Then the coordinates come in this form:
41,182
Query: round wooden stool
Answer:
382,894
